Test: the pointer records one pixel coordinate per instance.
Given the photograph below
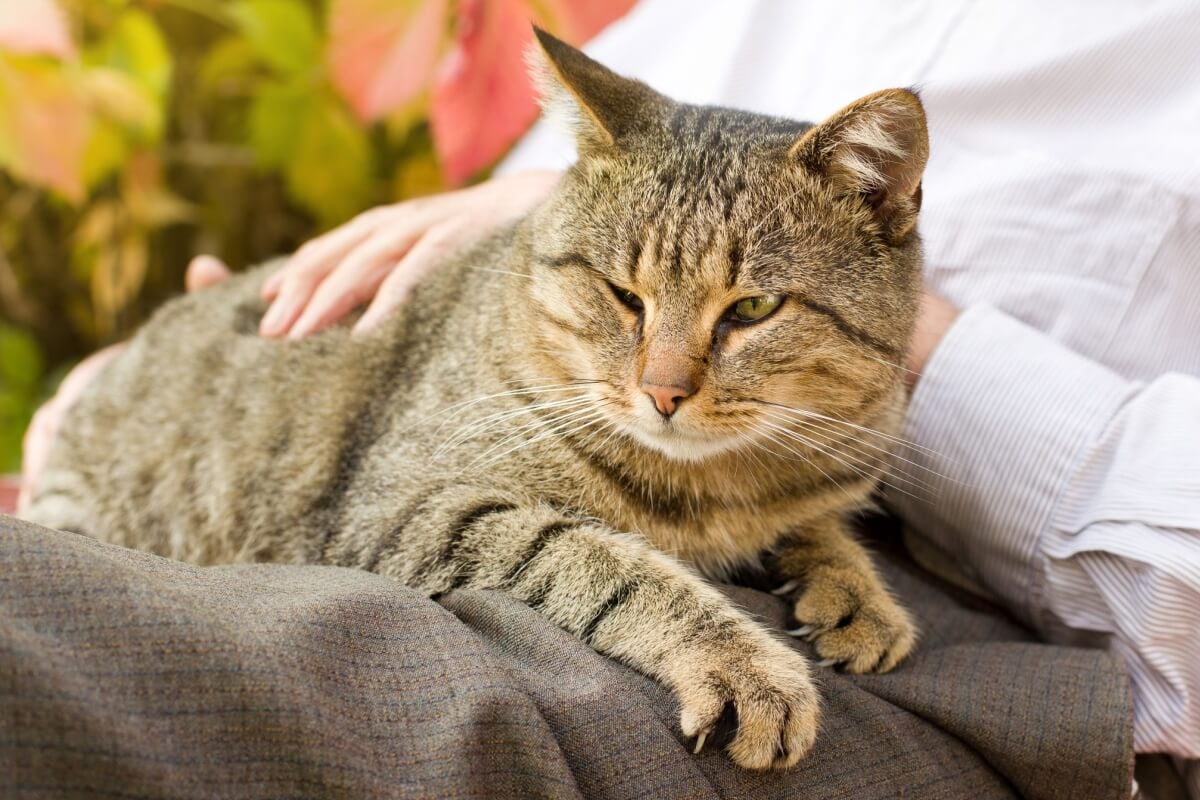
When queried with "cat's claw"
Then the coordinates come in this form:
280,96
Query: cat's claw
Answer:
787,588
828,662
802,631
700,738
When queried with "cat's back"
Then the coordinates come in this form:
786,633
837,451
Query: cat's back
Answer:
201,425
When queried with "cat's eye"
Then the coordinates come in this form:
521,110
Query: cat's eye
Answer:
753,309
628,298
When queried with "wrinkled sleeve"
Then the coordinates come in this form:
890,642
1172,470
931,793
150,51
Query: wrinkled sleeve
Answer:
1074,496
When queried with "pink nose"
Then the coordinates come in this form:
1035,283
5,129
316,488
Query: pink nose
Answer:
667,398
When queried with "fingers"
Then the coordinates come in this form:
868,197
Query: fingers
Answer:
292,287
355,280
270,287
333,274
205,271
425,256
34,450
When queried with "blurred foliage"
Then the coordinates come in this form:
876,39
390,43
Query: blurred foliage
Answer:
135,134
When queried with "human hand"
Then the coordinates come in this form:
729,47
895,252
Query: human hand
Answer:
204,271
380,255
933,320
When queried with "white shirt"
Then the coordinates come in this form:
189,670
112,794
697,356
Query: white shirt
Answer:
1062,213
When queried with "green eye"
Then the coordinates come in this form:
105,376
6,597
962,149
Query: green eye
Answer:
752,309
627,298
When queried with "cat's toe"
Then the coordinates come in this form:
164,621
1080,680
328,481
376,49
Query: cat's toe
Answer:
766,709
857,626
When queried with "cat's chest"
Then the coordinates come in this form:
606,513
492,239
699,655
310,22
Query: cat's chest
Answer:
719,541
715,535
711,518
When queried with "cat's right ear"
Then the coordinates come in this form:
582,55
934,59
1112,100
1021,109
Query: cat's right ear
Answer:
875,148
599,107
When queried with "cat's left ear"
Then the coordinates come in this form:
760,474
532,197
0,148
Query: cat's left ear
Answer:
601,108
876,149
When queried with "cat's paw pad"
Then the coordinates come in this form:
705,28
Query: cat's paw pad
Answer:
765,705
853,622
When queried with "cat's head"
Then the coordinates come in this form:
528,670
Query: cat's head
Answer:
707,269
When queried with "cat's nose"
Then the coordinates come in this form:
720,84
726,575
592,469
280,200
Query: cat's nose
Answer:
667,398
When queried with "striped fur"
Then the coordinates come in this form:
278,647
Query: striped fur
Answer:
495,434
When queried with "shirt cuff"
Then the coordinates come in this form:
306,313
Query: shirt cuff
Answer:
996,424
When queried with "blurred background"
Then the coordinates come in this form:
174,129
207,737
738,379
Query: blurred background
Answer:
135,134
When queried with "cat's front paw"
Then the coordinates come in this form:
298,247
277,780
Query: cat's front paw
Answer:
853,621
765,691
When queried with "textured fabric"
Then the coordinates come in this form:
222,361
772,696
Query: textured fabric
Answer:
126,675
1062,191
1086,514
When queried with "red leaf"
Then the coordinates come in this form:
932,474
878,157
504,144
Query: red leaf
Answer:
382,53
482,98
34,27
576,21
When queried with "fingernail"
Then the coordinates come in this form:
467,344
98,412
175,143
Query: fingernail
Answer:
272,322
271,286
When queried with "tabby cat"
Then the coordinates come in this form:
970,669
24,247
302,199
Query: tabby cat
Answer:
684,361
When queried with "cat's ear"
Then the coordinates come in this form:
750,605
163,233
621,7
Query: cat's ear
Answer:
601,108
875,148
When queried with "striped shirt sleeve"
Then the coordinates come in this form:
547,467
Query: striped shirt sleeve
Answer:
1074,496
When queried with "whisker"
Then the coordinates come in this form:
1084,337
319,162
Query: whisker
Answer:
880,479
559,427
549,387
605,425
814,415
500,271
885,362
882,455
499,416
803,458
552,417
616,431
818,426
478,426
800,438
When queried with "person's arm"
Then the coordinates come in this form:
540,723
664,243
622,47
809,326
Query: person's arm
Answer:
1073,495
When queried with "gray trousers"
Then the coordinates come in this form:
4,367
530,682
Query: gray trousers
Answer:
125,675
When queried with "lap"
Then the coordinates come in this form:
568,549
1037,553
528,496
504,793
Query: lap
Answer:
132,675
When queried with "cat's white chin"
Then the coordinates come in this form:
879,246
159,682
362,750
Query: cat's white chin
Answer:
683,445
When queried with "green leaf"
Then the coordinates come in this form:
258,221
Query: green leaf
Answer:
118,97
324,154
127,79
282,32
136,47
331,169
20,360
277,112
231,59
106,150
